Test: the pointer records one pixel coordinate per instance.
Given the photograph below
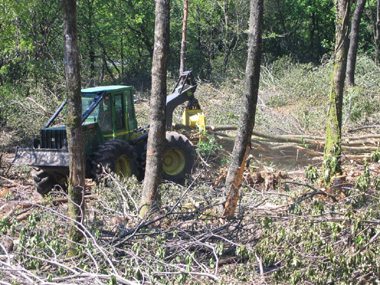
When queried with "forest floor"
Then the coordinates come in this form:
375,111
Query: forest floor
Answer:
196,244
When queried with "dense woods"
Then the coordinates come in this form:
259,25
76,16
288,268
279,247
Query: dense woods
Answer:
116,41
289,201
116,38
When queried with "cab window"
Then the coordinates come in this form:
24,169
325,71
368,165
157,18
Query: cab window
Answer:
119,112
105,115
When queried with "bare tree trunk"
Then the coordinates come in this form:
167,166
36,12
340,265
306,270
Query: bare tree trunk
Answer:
251,88
91,41
74,116
156,139
354,38
283,25
183,43
332,150
377,34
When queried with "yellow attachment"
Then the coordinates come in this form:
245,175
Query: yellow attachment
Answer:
194,119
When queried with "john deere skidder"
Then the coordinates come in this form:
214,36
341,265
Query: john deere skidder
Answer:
112,139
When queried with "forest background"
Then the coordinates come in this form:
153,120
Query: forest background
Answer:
267,242
116,45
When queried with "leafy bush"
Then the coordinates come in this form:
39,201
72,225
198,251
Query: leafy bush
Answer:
25,110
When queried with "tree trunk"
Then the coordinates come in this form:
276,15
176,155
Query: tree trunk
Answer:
91,41
157,118
354,38
251,88
283,25
377,34
74,117
183,43
332,150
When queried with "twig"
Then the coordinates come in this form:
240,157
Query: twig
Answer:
118,241
315,192
260,261
362,128
38,105
212,277
368,243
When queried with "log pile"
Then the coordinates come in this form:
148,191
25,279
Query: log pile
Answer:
297,148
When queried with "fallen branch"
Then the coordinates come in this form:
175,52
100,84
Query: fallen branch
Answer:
362,128
24,205
310,194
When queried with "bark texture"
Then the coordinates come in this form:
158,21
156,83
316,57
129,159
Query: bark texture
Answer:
251,88
183,43
354,38
332,149
73,121
377,33
157,118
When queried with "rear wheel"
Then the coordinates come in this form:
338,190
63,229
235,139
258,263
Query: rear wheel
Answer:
43,181
178,158
117,155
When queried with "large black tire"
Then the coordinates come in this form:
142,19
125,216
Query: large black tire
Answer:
43,181
141,159
117,155
178,158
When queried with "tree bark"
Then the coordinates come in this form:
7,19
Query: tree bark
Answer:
251,88
332,149
156,139
354,38
74,116
284,28
183,43
377,34
91,40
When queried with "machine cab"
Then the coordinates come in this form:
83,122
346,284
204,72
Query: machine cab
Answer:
112,107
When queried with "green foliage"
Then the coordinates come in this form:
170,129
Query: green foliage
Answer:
297,95
208,146
375,156
359,105
299,82
330,167
316,255
116,39
25,111
364,180
298,92
4,225
216,37
303,29
311,173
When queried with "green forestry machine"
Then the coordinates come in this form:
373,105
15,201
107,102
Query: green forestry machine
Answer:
112,138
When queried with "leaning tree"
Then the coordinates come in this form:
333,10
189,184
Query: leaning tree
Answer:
247,118
354,40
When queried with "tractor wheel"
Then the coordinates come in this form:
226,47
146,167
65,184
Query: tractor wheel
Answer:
119,156
43,181
141,159
178,158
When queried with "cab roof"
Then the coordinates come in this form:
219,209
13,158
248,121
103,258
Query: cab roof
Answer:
105,88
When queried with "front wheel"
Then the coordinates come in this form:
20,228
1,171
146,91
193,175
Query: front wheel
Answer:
43,181
119,156
178,158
